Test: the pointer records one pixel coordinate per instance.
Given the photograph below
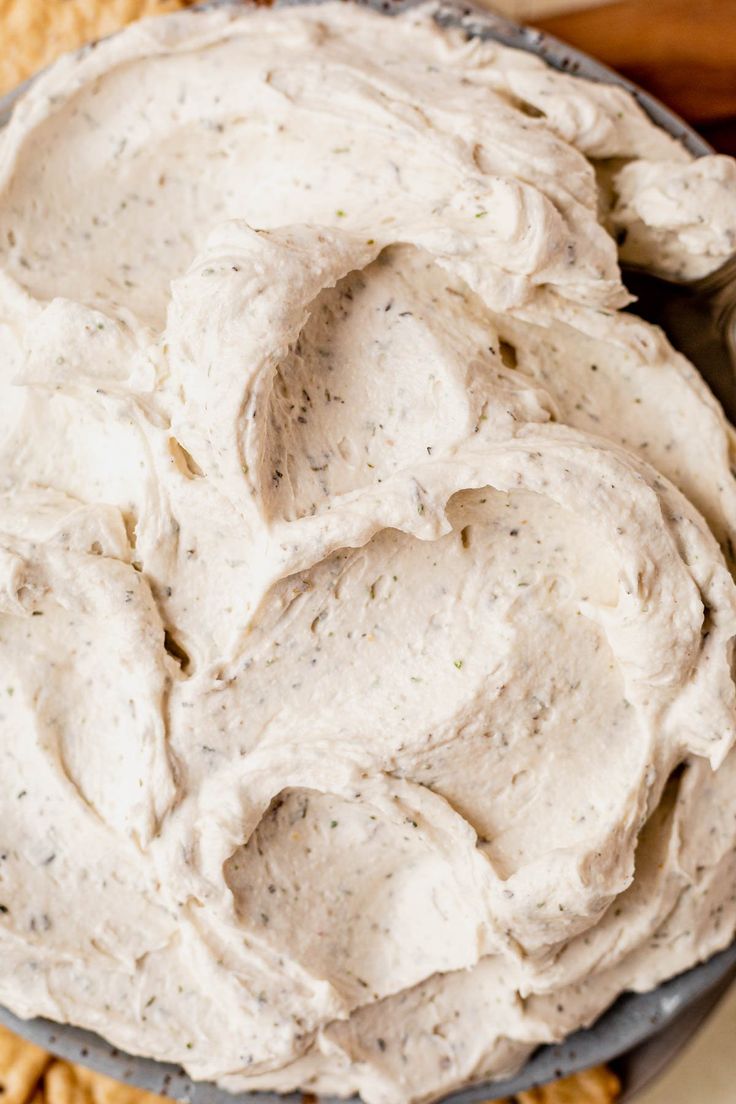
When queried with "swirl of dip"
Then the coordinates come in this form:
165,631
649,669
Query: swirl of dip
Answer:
366,612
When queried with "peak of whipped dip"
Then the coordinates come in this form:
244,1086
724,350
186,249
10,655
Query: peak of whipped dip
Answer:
366,620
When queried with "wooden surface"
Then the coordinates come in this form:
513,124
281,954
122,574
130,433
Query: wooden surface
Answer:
684,51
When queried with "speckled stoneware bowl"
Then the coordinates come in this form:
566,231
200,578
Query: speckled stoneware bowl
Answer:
640,1034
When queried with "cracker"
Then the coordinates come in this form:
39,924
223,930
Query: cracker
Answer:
68,1084
21,1067
34,32
596,1086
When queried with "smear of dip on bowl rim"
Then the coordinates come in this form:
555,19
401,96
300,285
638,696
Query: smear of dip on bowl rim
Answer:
366,613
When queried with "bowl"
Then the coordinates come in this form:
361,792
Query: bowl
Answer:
641,1032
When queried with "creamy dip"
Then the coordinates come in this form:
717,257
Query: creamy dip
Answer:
366,620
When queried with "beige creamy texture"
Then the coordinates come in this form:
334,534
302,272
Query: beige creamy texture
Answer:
366,621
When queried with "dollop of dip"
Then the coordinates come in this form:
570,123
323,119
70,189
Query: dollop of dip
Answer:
366,619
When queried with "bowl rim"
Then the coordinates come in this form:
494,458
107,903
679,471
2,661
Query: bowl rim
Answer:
634,1018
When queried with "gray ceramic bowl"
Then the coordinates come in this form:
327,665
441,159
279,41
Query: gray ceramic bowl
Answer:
640,1033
